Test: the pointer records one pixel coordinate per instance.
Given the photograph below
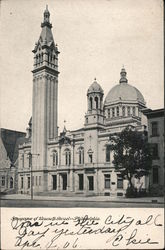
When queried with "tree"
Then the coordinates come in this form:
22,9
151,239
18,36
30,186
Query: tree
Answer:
132,156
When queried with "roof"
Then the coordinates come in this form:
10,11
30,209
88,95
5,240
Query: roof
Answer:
124,91
46,36
154,113
11,139
95,87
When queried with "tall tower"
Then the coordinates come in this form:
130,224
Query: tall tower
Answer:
95,115
94,121
45,94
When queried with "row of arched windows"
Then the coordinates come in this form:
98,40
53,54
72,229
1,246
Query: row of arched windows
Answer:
3,181
39,58
67,157
95,102
67,154
125,111
26,161
50,58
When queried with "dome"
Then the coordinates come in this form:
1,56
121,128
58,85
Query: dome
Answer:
95,87
124,92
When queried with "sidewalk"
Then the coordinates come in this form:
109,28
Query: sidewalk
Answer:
159,200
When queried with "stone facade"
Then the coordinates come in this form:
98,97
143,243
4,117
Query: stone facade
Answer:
156,139
74,162
9,141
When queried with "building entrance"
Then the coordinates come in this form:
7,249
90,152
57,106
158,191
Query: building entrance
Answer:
90,183
54,182
64,181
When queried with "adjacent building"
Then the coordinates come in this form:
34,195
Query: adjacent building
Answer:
156,139
79,161
9,141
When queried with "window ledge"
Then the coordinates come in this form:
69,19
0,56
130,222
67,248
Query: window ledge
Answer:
155,135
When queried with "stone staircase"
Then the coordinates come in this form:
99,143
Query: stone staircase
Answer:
64,194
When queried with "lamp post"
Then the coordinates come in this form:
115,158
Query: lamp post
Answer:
31,171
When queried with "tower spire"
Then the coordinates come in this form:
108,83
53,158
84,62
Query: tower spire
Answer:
46,21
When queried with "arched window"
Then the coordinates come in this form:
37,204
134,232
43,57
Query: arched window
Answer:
22,160
39,60
113,112
11,182
123,111
87,120
101,102
48,58
81,155
133,111
67,157
155,175
41,57
128,111
55,158
36,59
90,156
108,149
117,111
96,100
54,59
91,103
108,113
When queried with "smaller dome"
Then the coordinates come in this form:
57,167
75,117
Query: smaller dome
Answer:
95,88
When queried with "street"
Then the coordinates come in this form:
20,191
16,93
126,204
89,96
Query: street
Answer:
71,203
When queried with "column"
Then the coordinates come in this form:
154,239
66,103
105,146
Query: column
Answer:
126,110
99,103
71,180
96,181
88,103
94,102
59,156
47,105
55,107
58,182
51,108
120,110
85,183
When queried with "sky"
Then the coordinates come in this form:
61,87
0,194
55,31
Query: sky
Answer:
95,39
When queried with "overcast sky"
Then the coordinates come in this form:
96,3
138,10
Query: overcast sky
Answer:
95,38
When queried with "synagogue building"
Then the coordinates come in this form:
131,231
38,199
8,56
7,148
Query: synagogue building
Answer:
79,161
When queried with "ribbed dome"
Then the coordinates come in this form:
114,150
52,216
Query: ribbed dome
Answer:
95,87
124,92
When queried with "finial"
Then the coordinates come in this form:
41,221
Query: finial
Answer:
64,130
46,18
95,79
123,74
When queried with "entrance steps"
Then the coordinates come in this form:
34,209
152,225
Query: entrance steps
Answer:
64,193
